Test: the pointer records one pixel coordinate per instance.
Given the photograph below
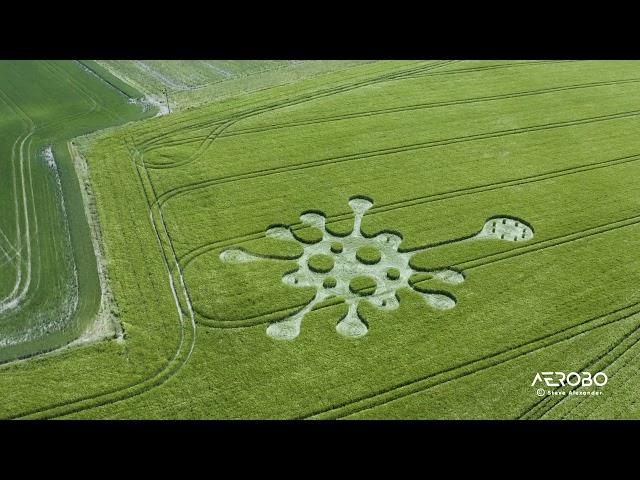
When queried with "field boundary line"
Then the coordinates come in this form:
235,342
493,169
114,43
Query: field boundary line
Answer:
158,377
205,144
237,115
105,80
91,105
427,67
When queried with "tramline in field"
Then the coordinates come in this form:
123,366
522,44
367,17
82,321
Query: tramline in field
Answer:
48,277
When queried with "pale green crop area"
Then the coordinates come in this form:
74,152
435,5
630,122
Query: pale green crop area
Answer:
510,187
190,83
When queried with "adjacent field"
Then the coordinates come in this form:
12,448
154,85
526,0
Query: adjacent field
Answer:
49,289
196,82
440,148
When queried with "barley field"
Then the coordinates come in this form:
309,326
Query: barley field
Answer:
387,240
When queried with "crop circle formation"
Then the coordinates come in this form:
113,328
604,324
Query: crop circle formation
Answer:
357,268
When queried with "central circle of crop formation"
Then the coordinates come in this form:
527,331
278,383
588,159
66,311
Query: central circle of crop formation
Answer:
320,263
368,254
363,285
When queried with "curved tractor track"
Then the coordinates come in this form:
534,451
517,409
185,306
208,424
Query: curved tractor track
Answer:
184,349
21,185
27,254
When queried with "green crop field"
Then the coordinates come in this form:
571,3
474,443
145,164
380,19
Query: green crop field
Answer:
381,240
49,288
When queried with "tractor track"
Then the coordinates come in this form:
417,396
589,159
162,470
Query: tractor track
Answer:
183,351
189,256
215,133
477,262
432,380
579,400
415,107
261,108
411,72
189,188
18,156
548,403
157,143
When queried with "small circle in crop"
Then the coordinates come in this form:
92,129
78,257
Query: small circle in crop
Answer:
308,235
329,282
320,263
393,274
368,255
363,285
